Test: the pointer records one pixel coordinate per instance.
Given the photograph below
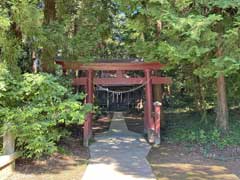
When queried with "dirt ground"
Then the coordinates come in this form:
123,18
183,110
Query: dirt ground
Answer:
68,166
184,162
102,123
177,162
169,161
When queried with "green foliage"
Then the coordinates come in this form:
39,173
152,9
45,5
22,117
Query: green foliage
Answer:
33,107
196,132
8,84
198,40
21,23
80,30
191,34
27,17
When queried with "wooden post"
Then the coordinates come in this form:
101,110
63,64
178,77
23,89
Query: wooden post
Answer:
145,119
86,131
8,149
88,122
148,112
157,114
90,98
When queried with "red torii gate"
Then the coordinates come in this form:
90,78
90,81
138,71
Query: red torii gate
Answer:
150,125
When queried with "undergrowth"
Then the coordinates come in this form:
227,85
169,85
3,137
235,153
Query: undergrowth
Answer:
188,128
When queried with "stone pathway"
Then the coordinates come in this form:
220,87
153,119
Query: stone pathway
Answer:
119,154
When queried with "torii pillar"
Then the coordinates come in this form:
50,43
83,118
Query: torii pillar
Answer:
148,110
88,123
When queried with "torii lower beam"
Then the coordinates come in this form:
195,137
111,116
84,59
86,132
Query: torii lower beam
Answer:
89,81
121,81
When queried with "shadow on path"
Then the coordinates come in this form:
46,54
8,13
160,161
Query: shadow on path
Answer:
119,154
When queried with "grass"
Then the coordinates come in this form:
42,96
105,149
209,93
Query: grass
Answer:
188,127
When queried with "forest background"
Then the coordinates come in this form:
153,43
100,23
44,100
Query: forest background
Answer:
198,41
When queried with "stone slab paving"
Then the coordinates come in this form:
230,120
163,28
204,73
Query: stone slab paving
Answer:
119,154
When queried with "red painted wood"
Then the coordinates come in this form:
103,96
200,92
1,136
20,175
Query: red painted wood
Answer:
157,114
111,66
88,122
161,80
90,95
90,81
149,99
86,130
120,74
121,81
59,62
90,86
145,119
80,81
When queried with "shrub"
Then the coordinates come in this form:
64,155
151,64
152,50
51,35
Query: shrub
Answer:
32,106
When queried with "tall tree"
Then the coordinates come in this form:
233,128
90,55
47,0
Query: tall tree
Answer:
49,11
48,53
20,24
202,34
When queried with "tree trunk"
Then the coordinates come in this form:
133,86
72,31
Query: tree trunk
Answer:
222,111
158,89
49,11
47,55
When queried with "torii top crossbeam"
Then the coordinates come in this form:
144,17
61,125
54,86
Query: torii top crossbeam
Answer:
119,67
133,66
